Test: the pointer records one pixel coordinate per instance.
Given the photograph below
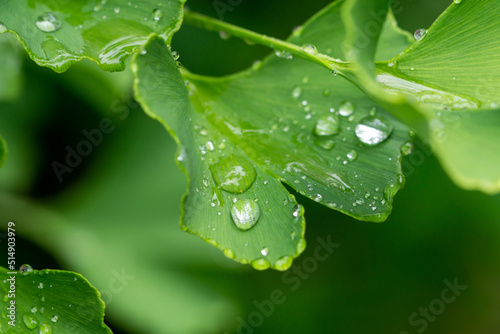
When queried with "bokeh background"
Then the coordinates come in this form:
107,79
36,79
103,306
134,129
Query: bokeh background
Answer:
114,217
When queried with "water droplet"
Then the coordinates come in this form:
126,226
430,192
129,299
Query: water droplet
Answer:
457,1
33,309
297,92
283,263
318,198
157,14
229,253
45,329
346,109
48,22
373,130
178,64
352,155
261,264
245,214
309,48
3,28
283,54
301,245
40,285
30,321
175,54
143,52
224,35
234,174
326,92
420,34
407,148
25,268
210,145
327,125
264,251
54,318
298,211
373,111
117,10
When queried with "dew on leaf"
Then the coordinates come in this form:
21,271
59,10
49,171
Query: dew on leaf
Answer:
283,263
25,268
229,253
346,109
48,22
297,92
260,264
326,92
117,10
457,1
224,35
264,251
40,285
45,329
298,211
283,54
54,318
175,54
3,28
30,321
234,174
352,155
373,130
301,245
327,125
420,34
407,148
157,14
245,214
327,144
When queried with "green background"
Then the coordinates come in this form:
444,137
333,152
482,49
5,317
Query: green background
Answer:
125,195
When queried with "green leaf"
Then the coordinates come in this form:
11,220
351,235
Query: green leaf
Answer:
57,34
449,77
10,69
274,120
50,301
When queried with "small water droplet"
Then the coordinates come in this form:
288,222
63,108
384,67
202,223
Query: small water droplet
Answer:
48,22
457,1
301,245
264,251
229,253
407,148
143,52
3,28
346,109
373,130
326,92
318,198
45,329
327,144
234,174
283,54
261,264
40,285
283,263
175,54
224,35
117,10
305,80
245,214
420,34
33,309
352,155
25,268
30,321
297,92
54,318
157,14
327,125
309,48
178,64
210,146
298,211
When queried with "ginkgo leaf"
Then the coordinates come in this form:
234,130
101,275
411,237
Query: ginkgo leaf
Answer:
283,121
49,301
57,34
451,77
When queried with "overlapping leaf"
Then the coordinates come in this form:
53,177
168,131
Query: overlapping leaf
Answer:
59,33
49,301
451,77
242,136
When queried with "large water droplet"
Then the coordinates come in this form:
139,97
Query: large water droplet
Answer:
245,214
420,34
157,14
25,268
373,130
234,174
327,125
45,329
48,22
346,109
30,321
3,28
283,263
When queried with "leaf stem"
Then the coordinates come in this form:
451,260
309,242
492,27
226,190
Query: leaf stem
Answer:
209,23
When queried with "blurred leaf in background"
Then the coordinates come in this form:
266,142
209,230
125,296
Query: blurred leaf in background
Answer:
114,217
